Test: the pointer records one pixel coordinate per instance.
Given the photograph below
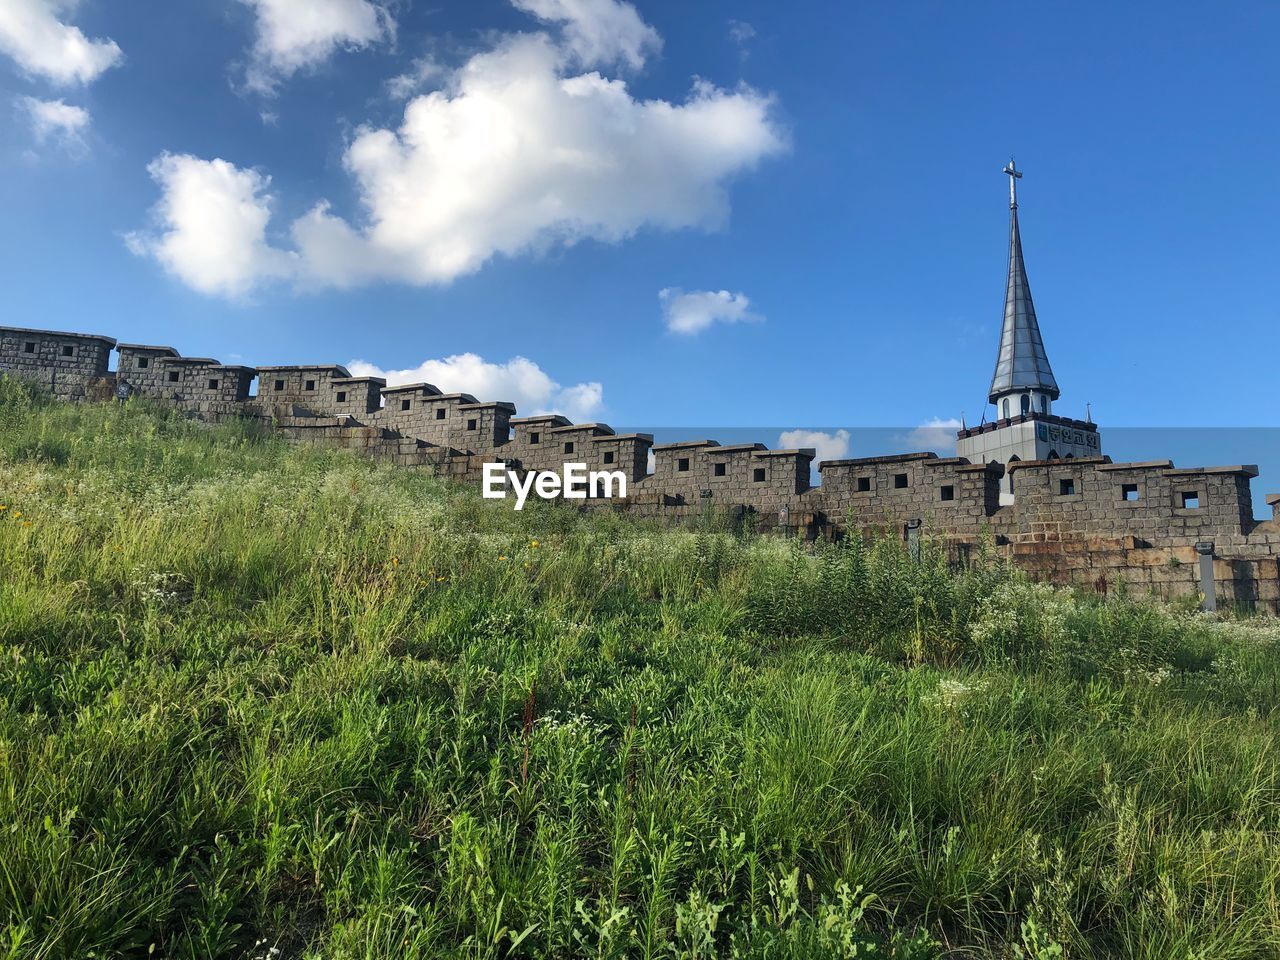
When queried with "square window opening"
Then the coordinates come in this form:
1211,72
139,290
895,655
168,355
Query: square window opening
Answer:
568,447
279,385
682,465
757,475
535,438
948,493
1190,499
68,351
472,424
29,347
721,469
173,376
309,385
143,363
609,456
441,413
1066,488
900,481
213,384
342,396
864,484
1129,493
405,404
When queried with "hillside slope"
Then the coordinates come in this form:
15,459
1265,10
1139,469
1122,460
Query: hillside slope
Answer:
274,702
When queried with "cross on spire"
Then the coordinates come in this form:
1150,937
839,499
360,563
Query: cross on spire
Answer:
1015,175
1021,365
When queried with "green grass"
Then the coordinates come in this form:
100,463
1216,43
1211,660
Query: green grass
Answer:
262,701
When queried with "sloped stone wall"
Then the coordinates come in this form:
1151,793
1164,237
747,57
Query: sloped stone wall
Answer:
1087,521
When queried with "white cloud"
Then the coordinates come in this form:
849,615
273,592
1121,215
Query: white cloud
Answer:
421,73
292,35
694,311
212,220
516,157
598,32
512,157
56,120
935,435
520,381
829,446
43,45
741,33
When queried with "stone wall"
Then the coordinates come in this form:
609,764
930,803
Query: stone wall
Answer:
63,363
1087,521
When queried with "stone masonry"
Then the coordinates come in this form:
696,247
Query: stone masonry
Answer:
1086,521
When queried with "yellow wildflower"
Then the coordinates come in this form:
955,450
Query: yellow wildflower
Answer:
535,544
4,506
395,561
502,558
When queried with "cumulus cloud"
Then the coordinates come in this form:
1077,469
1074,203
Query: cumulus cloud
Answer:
56,120
693,311
515,154
519,380
829,446
212,220
598,32
32,33
935,435
292,35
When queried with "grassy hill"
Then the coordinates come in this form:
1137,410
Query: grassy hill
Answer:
261,701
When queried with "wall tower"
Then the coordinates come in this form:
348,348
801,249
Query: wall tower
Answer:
1023,387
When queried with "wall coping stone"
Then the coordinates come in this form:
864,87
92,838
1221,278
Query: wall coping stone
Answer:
1138,465
1060,462
604,438
464,397
1273,499
491,405
378,380
308,368
871,461
809,452
109,341
542,418
429,389
1247,469
148,348
738,448
686,444
604,428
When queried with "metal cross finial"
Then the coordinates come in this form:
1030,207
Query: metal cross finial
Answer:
1014,176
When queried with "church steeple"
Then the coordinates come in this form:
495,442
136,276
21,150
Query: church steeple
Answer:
1022,366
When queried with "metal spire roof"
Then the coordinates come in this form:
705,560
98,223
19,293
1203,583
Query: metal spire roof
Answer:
1022,363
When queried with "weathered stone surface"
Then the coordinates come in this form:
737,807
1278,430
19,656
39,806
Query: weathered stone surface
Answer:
1085,521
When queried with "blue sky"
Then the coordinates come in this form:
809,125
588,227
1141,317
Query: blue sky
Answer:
832,168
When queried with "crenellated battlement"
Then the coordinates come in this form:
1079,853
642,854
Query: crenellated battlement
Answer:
1071,520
